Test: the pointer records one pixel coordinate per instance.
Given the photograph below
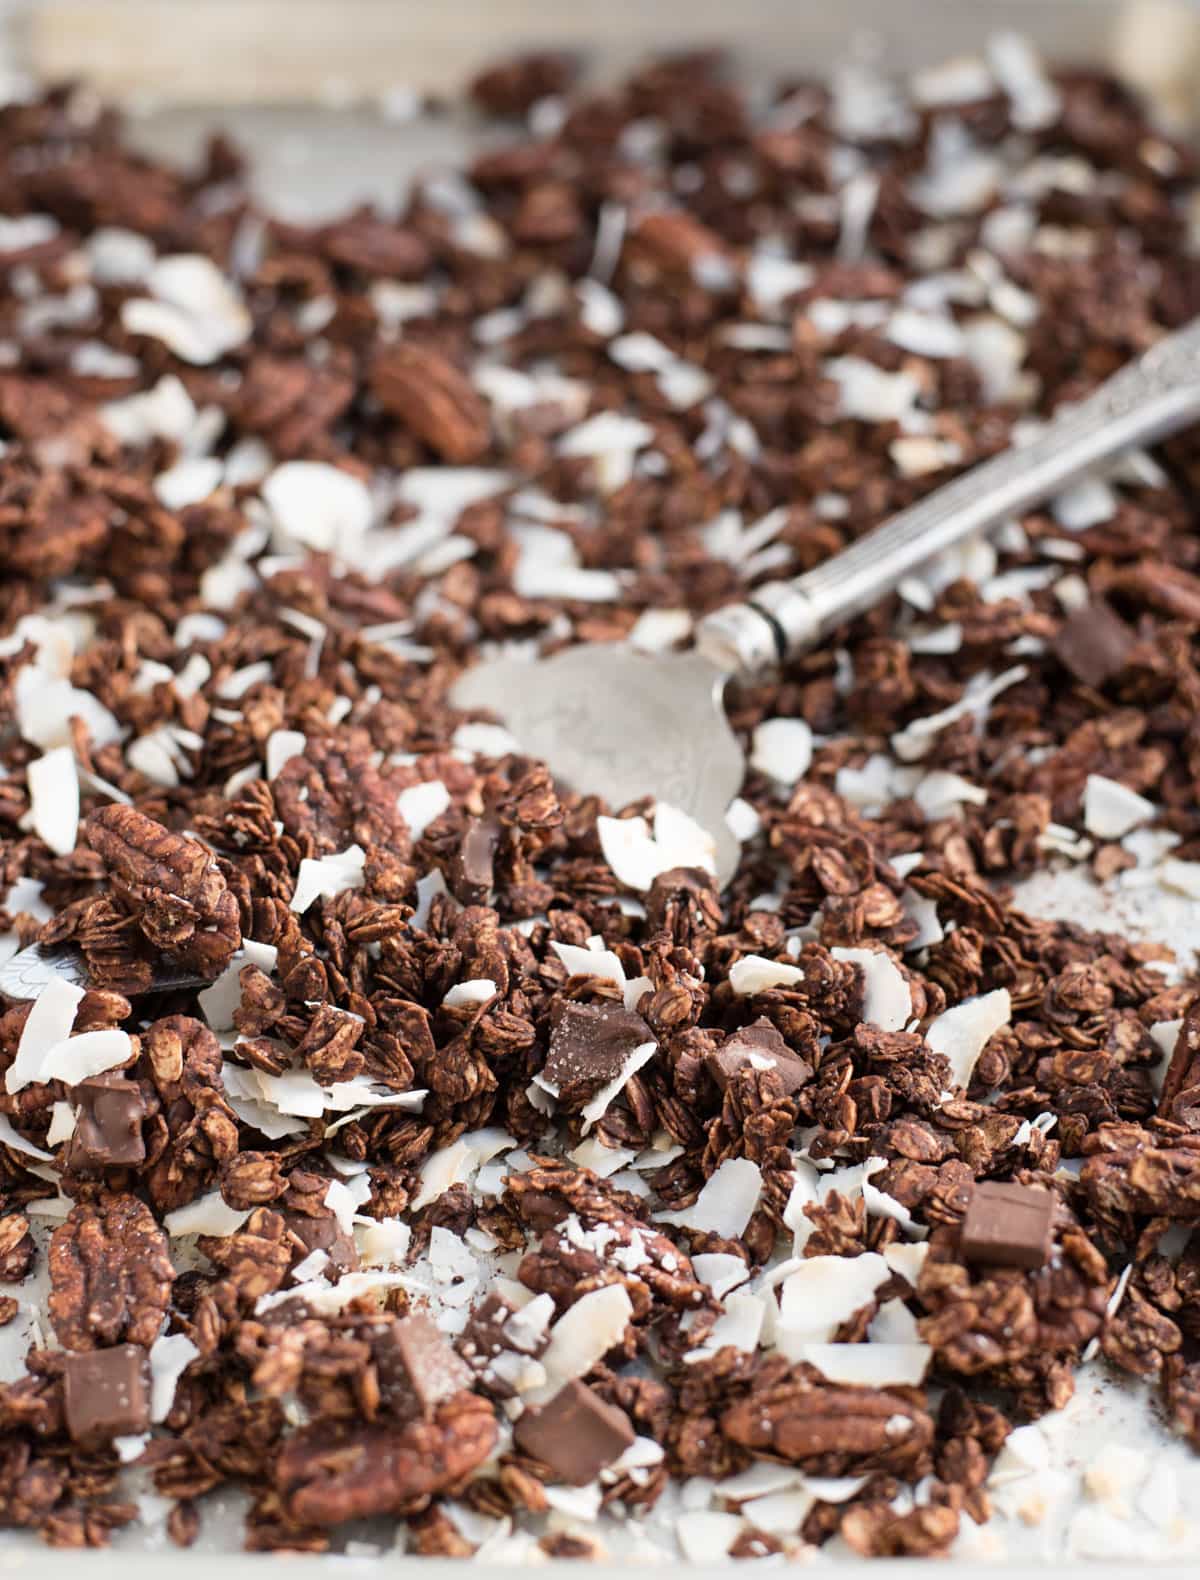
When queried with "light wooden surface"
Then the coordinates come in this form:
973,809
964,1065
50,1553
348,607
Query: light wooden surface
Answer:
288,51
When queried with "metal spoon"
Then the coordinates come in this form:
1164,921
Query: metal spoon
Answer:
24,975
622,724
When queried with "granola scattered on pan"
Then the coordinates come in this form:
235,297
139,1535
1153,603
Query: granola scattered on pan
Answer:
406,1141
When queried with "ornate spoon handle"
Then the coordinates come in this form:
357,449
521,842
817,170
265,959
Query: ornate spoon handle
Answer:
1150,398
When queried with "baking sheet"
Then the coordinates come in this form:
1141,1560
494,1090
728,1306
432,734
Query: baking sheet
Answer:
1138,1504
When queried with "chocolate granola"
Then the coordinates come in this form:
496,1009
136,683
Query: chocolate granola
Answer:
481,1179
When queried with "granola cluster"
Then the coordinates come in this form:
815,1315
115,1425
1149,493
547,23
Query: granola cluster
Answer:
409,1152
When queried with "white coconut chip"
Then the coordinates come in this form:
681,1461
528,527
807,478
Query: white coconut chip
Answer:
484,740
583,1335
868,393
1182,876
54,799
384,1242
893,1323
209,1214
636,856
10,1136
1111,810
478,990
726,1203
604,1161
721,1271
782,749
169,1356
917,738
46,703
822,1293
422,804
738,1327
189,481
659,630
870,1365
62,1124
599,1105
961,1033
91,1053
756,974
328,1299
328,876
705,1535
1087,503
219,1001
193,309
943,794
47,1025
887,996
282,746
317,506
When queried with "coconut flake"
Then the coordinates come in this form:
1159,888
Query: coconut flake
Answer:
636,856
11,1137
282,746
46,704
600,1104
47,1025
170,1356
870,1365
478,990
54,799
887,996
705,1534
328,876
189,481
962,1033
739,1327
1111,810
384,1242
869,394
317,506
193,309
422,804
726,1203
824,1292
1087,503
91,1053
756,974
906,1260
782,749
583,1335
209,1214
219,1001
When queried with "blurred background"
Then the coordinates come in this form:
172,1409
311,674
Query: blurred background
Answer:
327,95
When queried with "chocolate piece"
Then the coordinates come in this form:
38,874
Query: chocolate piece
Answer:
108,1128
417,1369
758,1041
473,873
589,1044
106,1393
324,1233
496,1344
1008,1226
1094,643
576,1434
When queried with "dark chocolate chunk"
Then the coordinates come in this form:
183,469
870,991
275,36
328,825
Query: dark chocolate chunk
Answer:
417,1368
493,1341
473,873
589,1044
760,1041
1094,643
576,1434
106,1393
108,1128
324,1233
1008,1226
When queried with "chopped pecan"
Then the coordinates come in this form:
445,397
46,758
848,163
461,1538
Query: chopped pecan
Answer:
434,399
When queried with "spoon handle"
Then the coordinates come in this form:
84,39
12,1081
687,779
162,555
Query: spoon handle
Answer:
1150,398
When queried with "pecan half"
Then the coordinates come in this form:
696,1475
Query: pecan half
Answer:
331,1472
110,1275
434,399
171,885
831,1431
